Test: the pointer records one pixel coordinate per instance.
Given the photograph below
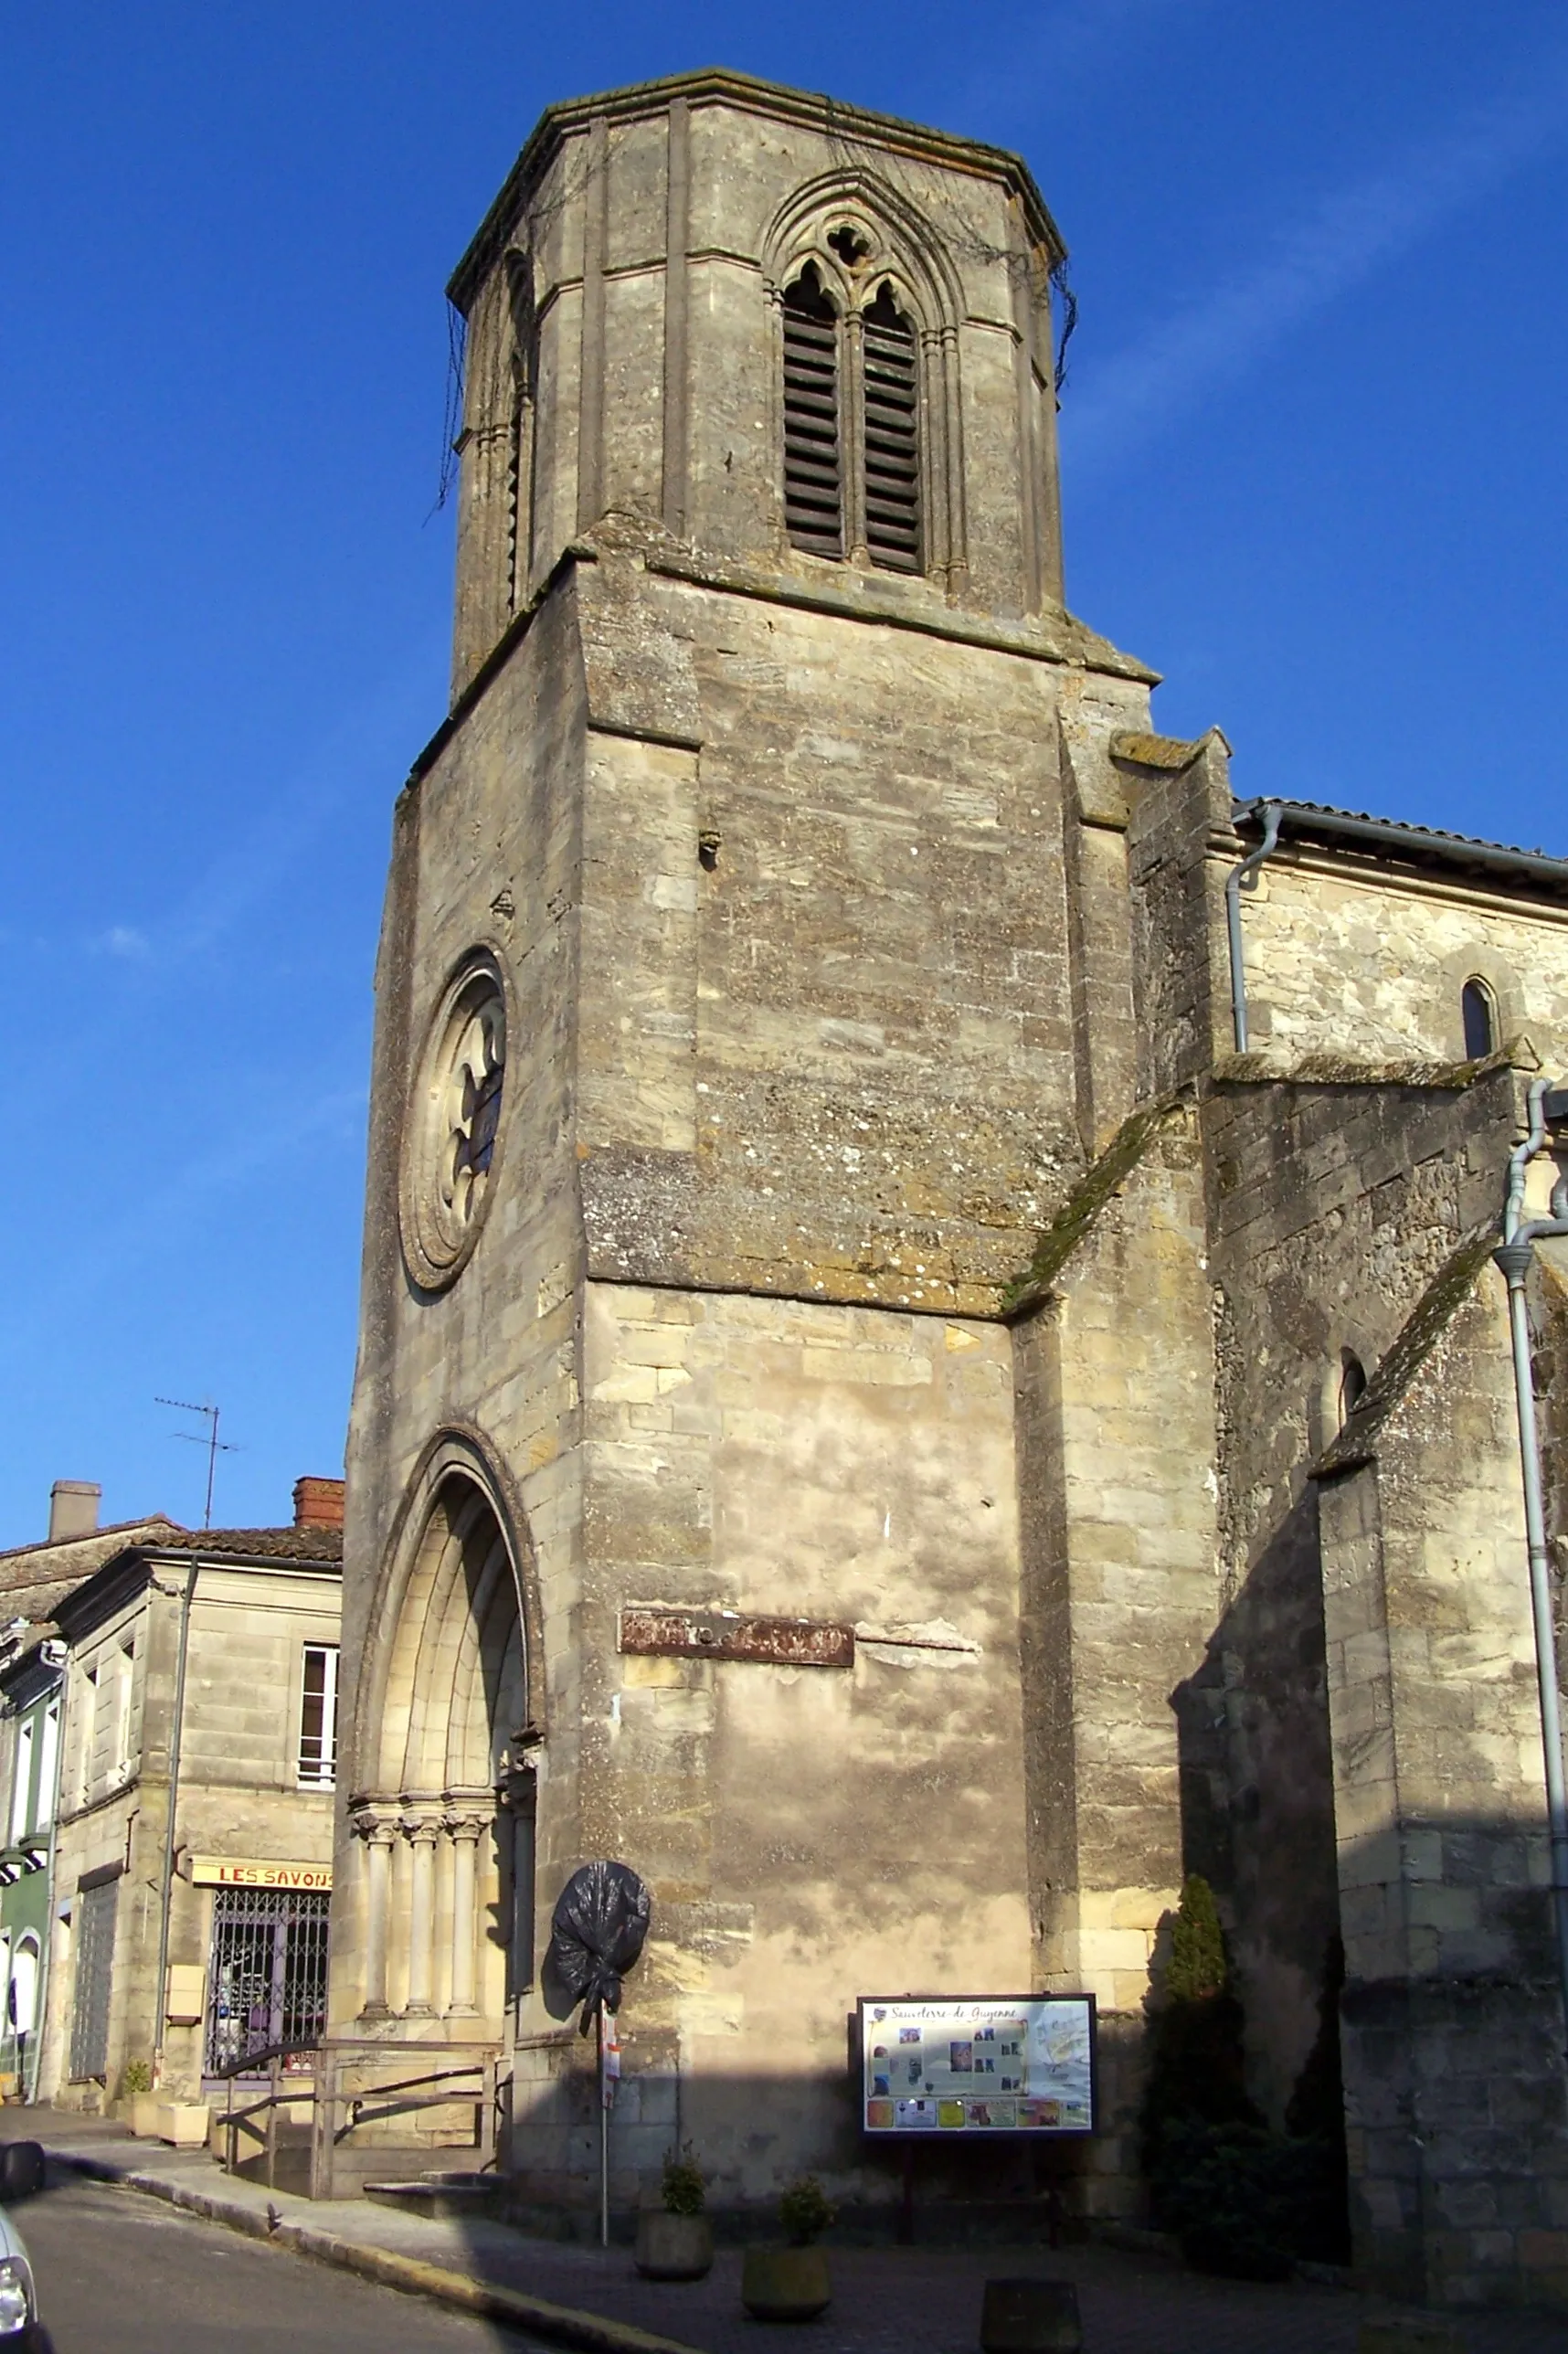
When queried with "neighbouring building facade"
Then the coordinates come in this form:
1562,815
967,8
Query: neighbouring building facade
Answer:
30,1683
186,1672
869,1407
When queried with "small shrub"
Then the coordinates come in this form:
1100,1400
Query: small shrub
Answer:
1197,1965
684,2186
1197,2062
805,2211
1228,2193
137,2078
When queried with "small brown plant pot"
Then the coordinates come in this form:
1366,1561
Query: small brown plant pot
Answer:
1030,2316
673,2247
785,2284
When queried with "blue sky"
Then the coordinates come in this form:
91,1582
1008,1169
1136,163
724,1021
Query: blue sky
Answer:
1315,473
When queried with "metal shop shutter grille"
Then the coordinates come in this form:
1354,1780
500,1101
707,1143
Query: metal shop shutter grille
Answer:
813,488
94,1972
892,442
268,1977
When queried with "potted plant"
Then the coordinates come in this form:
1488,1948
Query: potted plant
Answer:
138,2102
791,2284
675,2239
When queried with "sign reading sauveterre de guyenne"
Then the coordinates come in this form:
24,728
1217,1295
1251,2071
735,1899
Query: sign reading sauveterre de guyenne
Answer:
983,2064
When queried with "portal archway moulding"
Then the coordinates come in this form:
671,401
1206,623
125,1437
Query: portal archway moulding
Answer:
441,1806
457,1451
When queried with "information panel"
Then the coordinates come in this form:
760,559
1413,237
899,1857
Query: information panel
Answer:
980,2064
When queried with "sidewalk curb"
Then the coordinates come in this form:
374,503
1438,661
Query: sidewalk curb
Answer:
591,2333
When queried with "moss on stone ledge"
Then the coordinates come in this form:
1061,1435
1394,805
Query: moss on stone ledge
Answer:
1083,1204
1422,1329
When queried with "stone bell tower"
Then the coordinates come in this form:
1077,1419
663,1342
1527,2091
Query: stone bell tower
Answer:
755,984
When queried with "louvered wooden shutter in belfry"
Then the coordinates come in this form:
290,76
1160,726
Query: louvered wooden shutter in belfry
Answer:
813,483
892,438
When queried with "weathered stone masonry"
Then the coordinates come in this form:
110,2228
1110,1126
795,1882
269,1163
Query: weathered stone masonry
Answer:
857,1215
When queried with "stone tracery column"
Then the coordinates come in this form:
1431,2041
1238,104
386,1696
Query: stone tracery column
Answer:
465,1828
421,1831
378,1831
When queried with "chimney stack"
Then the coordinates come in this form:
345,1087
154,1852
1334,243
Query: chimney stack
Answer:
318,1503
73,1509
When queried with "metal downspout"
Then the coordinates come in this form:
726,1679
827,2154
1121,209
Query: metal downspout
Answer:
1513,1255
1272,813
160,1988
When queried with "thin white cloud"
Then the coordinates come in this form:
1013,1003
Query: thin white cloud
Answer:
1349,235
262,1135
365,750
368,749
123,940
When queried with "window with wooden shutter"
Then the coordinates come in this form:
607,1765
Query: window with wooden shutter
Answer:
96,1910
813,480
892,437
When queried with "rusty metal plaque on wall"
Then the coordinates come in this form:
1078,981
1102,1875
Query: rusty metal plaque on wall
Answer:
650,1630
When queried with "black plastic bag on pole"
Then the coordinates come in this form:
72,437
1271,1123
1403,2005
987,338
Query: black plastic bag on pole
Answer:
597,1933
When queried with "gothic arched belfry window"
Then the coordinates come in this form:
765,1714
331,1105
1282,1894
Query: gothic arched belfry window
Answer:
871,450
852,423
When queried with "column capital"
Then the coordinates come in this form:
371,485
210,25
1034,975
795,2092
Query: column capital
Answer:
376,1820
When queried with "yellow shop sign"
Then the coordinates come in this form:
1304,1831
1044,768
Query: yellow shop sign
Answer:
257,1871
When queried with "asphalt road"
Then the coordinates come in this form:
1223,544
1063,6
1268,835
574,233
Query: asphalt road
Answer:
121,2273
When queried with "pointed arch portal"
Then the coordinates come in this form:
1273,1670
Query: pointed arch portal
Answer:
447,1821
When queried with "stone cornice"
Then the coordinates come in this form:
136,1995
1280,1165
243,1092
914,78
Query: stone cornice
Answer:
744,92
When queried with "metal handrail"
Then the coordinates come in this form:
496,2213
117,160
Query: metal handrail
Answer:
277,2095
338,2111
250,2060
408,2084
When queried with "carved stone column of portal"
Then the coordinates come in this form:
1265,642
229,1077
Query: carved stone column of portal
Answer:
378,1831
465,1828
421,1831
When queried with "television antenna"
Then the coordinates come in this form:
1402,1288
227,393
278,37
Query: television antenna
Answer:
209,1438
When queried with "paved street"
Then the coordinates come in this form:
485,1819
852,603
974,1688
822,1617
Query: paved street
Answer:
119,2273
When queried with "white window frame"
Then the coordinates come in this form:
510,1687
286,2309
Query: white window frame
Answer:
124,1692
86,1734
314,1772
49,1766
22,1781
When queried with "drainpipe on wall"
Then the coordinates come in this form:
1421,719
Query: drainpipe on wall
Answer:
1513,1255
1272,813
160,1989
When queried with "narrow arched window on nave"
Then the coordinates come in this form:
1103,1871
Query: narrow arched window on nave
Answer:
1480,1010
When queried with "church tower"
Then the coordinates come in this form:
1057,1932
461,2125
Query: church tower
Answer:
929,1361
755,984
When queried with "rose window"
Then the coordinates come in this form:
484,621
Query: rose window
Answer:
455,1121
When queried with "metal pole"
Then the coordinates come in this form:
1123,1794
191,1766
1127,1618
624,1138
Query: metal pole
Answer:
603,2135
160,1989
1514,1256
274,2083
